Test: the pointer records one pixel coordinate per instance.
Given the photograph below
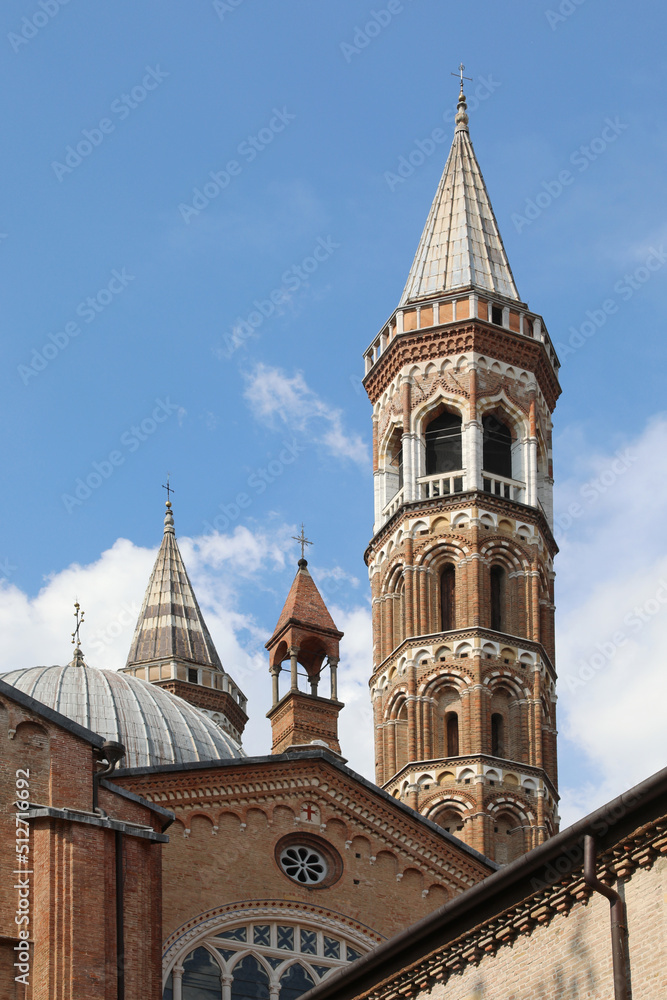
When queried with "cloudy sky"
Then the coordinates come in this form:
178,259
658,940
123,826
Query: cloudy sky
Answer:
207,215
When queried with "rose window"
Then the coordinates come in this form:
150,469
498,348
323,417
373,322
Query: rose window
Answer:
303,864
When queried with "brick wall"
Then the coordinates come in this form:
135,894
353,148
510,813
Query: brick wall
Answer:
570,958
73,878
222,848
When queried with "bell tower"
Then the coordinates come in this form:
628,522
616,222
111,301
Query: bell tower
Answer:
306,636
463,379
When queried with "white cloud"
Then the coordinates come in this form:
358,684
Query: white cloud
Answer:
110,590
612,619
611,622
356,726
276,398
224,570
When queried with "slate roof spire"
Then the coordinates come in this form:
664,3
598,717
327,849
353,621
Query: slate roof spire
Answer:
461,246
170,623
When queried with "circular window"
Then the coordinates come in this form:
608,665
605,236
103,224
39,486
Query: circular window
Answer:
308,860
303,864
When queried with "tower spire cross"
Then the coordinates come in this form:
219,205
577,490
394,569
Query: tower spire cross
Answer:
168,488
302,540
460,73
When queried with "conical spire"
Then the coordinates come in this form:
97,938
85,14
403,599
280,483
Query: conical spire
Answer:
304,605
461,246
170,623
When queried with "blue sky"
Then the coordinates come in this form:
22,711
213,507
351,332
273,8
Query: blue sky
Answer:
304,114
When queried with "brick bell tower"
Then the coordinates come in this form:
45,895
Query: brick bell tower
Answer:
305,635
463,379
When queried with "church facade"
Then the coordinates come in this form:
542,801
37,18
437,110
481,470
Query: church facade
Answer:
166,863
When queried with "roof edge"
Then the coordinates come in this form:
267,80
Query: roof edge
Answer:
9,691
328,757
139,799
429,934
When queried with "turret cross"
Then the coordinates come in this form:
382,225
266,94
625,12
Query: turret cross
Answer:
303,540
76,638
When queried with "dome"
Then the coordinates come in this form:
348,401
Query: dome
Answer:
154,726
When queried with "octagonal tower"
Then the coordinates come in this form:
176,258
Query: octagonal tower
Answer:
463,379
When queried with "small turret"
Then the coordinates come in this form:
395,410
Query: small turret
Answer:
305,635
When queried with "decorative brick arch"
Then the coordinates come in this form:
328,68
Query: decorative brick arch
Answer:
442,401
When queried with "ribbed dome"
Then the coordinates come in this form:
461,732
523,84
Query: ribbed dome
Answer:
155,727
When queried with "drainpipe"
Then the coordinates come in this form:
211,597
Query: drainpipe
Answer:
114,752
619,928
120,918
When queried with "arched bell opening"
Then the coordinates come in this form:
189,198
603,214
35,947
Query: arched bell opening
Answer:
498,594
443,441
448,598
496,447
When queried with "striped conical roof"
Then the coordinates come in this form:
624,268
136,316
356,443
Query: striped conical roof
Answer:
170,623
461,245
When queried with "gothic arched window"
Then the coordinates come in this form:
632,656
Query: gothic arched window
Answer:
452,725
497,735
443,444
262,960
450,820
251,980
397,463
497,598
295,981
497,447
447,598
508,839
201,976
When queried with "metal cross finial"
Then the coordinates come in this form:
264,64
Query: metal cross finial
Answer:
78,614
303,540
460,73
168,488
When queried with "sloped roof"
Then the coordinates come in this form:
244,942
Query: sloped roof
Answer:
461,245
305,605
